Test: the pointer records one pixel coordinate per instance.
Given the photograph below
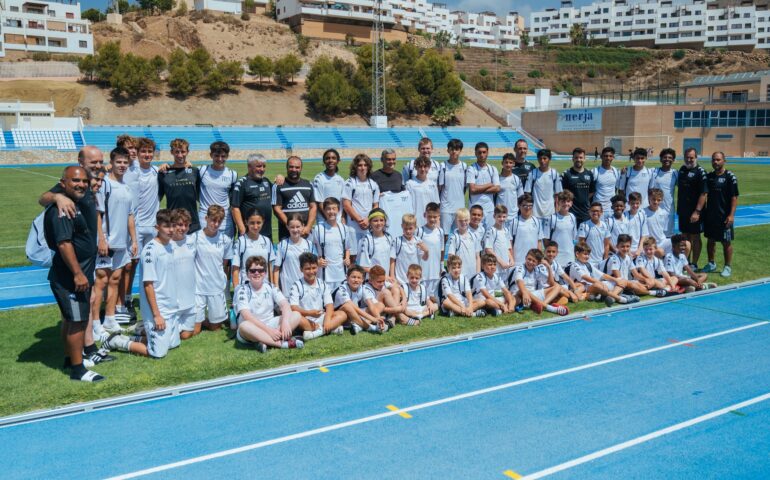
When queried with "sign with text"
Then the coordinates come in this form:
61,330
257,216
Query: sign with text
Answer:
579,119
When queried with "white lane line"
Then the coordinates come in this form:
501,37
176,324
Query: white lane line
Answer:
645,438
24,286
475,393
34,173
12,246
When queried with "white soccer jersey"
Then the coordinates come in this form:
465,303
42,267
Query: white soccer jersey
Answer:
362,195
409,172
310,297
562,229
478,175
416,299
434,240
144,185
667,182
653,266
210,252
481,281
657,222
624,265
184,272
344,294
480,231
374,251
466,246
499,241
246,247
557,271
510,191
535,279
543,186
331,244
577,270
525,234
261,303
617,227
452,181
675,263
325,187
606,185
636,181
120,206
215,188
594,236
158,267
422,193
287,259
406,253
457,287
637,228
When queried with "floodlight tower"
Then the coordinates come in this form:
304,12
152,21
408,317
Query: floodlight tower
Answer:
379,111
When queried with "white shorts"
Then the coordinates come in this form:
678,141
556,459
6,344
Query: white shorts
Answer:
159,342
609,285
539,294
187,319
214,304
332,286
448,221
431,287
665,245
119,259
319,320
145,234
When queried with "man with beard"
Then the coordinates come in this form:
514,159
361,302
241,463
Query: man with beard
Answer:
295,195
690,200
521,167
253,192
581,183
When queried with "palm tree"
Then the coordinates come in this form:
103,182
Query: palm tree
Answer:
577,34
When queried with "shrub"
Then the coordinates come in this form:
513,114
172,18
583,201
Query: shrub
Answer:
591,73
41,56
260,66
535,74
286,68
463,77
483,72
245,16
678,54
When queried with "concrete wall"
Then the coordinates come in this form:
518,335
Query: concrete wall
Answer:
337,31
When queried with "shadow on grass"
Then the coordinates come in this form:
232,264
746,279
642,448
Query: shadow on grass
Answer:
47,350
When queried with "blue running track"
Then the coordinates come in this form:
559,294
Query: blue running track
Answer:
680,389
22,287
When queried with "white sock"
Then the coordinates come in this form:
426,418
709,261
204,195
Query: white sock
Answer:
284,344
373,328
97,328
623,299
552,309
109,322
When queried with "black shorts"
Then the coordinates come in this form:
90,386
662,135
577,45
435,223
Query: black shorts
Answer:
718,232
685,226
74,306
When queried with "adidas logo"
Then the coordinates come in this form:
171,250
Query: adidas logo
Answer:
297,202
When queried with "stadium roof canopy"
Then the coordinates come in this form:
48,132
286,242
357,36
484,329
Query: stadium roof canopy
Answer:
744,77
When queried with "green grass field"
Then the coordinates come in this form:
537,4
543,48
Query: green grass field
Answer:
30,359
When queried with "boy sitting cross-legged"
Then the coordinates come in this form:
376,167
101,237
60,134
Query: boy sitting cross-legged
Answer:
676,265
394,307
620,266
575,292
652,271
487,283
455,292
312,299
595,281
531,284
418,302
353,299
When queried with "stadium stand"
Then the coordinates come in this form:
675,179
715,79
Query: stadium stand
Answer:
51,139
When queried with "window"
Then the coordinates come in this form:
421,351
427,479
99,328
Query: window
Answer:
724,136
83,44
14,9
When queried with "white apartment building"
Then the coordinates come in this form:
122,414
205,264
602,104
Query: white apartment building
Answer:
733,24
44,26
483,30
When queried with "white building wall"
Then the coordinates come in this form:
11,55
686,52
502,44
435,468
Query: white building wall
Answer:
44,27
226,6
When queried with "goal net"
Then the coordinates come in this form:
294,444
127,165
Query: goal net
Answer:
624,145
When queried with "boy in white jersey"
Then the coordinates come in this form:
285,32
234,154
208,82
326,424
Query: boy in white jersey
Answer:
657,221
432,236
216,184
252,244
487,283
360,195
666,178
562,227
544,184
465,244
676,265
497,242
329,183
476,222
622,268
596,282
510,186
421,190
184,272
596,234
406,249
484,182
393,307
617,222
526,231
352,299
652,272
452,184
213,252
312,299
637,178
374,248
287,270
636,223
532,285
455,294
330,240
255,304
575,292
606,177
424,149
418,303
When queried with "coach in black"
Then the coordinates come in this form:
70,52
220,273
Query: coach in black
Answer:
253,192
72,271
581,183
180,183
521,167
690,200
295,195
387,178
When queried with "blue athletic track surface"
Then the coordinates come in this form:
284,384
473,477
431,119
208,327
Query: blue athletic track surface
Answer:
22,287
676,389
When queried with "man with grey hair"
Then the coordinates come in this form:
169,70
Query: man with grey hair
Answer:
387,178
253,192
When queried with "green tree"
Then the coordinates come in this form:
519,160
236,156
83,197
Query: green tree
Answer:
577,34
260,66
184,79
445,114
524,40
177,58
107,61
543,41
201,57
181,10
331,94
249,6
286,68
158,64
88,67
442,39
132,76
303,43
232,71
93,15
